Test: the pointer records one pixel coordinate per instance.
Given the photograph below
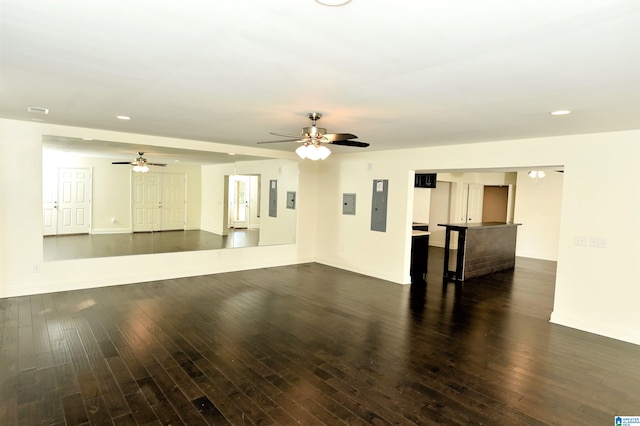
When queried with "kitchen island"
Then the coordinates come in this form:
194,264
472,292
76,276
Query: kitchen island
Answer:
483,248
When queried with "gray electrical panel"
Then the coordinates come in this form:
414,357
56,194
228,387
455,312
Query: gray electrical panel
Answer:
349,204
379,205
291,200
273,198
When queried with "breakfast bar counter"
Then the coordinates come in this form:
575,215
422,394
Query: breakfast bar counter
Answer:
483,248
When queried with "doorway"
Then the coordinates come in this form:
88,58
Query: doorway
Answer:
495,204
243,193
240,188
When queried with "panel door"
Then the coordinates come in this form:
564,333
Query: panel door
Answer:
146,202
172,203
474,203
73,203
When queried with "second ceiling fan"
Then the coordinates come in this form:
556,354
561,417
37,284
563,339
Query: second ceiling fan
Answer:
140,164
313,139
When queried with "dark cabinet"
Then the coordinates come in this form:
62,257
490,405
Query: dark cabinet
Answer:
419,255
425,180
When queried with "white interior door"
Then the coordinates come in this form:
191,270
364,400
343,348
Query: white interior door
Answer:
158,202
474,202
172,203
66,201
146,202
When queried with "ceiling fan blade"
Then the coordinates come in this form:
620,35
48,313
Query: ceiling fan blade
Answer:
351,143
123,162
156,164
332,137
284,140
284,135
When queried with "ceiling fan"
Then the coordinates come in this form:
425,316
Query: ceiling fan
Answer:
140,164
313,139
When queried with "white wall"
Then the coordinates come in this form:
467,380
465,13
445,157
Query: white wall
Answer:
595,290
346,241
538,208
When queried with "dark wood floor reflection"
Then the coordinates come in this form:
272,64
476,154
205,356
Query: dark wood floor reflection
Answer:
85,246
310,344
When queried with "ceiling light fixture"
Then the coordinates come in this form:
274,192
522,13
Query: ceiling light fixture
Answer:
123,117
141,168
333,3
561,112
313,151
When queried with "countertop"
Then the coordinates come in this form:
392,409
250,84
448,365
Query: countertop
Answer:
477,225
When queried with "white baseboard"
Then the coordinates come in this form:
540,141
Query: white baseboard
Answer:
98,231
626,335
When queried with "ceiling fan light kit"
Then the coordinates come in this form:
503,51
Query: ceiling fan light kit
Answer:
315,139
140,164
313,152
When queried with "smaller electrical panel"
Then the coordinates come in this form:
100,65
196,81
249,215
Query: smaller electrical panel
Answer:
349,204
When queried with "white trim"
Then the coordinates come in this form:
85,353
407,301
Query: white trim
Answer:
624,334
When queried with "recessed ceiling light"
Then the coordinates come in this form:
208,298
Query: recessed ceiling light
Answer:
561,112
87,139
333,3
232,153
123,117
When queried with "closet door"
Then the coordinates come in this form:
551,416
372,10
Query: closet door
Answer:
146,202
158,202
172,203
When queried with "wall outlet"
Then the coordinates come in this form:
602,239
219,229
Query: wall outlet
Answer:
36,268
598,242
580,241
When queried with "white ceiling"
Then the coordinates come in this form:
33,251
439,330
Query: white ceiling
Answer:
402,73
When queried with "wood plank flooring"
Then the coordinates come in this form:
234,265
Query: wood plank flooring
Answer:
84,246
310,344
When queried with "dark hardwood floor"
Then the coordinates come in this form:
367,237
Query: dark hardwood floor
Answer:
84,246
310,344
